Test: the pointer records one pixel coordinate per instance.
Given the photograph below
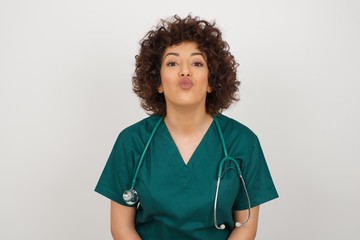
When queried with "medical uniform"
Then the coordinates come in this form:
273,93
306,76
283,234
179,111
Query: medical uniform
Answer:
177,199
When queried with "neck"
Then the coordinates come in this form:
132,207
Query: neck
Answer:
187,121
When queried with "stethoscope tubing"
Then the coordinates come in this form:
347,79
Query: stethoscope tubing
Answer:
144,152
129,194
237,224
221,173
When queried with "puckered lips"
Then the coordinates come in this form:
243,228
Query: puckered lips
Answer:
185,83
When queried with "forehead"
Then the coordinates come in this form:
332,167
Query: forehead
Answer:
185,47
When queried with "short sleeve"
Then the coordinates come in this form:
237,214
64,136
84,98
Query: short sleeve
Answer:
257,177
117,174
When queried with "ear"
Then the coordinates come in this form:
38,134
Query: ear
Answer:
160,89
209,89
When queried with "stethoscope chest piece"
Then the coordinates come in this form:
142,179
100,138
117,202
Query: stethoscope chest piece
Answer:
130,196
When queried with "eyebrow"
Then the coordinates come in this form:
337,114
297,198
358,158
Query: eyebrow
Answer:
178,55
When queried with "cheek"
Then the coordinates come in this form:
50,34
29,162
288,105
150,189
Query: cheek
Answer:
204,74
165,78
204,78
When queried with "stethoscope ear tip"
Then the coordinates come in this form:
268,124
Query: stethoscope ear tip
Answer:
237,224
222,226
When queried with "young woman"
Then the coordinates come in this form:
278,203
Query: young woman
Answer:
187,171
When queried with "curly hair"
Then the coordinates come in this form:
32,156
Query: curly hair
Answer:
221,63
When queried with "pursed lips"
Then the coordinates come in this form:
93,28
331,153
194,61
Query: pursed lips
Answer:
185,83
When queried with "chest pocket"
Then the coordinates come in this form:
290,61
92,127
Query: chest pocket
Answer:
229,191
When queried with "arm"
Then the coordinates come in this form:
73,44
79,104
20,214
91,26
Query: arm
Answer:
247,231
123,222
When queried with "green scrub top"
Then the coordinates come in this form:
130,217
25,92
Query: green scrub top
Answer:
177,199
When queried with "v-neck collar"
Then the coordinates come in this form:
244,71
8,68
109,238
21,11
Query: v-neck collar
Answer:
172,148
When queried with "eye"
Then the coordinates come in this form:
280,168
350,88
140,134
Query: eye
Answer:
171,64
198,64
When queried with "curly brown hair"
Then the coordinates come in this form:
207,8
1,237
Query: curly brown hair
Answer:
221,63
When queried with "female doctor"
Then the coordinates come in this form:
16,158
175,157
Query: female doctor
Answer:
186,171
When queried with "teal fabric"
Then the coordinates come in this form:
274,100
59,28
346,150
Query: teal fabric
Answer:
176,199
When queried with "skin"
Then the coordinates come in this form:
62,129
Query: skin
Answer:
186,116
122,222
187,122
248,231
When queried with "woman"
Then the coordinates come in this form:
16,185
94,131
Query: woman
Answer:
162,174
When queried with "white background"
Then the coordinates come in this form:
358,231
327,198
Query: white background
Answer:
65,94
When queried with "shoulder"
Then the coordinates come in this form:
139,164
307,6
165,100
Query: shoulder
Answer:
231,125
233,130
142,127
146,124
138,131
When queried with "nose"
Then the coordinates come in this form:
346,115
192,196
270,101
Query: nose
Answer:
184,71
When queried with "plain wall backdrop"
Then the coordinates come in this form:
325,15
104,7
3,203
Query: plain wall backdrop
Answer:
65,94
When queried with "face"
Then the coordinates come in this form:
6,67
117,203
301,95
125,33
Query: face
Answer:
184,76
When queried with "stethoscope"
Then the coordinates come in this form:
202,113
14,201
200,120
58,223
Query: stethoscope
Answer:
131,197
